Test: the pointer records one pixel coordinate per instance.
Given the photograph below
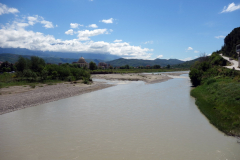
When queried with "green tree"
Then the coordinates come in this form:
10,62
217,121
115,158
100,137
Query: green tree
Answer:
21,64
92,66
37,64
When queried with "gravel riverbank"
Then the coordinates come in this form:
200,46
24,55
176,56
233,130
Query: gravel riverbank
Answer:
19,97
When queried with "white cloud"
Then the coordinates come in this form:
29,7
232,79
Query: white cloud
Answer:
186,59
148,42
231,7
75,25
189,48
93,26
70,31
15,35
4,9
218,37
160,56
84,35
107,20
38,19
47,24
196,51
117,41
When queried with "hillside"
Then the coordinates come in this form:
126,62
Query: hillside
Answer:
186,65
12,58
24,51
140,62
230,42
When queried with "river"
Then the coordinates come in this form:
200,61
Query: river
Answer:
131,121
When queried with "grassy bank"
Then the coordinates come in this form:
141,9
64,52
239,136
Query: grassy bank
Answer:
219,101
217,93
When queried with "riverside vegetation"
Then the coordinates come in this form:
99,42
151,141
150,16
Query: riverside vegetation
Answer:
34,70
217,92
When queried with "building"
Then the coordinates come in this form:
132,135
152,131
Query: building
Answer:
81,62
103,65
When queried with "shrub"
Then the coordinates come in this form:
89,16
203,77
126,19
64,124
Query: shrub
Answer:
195,76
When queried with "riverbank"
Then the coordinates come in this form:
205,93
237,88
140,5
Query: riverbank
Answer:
148,78
219,101
19,97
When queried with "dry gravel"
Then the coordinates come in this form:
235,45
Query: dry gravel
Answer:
19,97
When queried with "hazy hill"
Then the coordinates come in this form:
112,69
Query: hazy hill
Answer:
23,51
186,65
54,60
140,62
230,42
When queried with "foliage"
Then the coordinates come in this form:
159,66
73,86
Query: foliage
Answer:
208,67
92,66
230,42
35,70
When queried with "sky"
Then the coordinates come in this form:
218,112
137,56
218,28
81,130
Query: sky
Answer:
139,29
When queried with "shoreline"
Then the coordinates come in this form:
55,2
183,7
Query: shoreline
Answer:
45,94
20,97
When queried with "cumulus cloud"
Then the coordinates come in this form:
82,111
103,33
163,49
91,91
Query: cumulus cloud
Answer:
189,48
84,35
218,37
160,56
70,31
4,9
107,20
38,19
75,25
47,24
15,35
117,41
230,8
93,26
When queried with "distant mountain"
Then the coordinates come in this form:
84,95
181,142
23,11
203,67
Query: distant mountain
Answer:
139,62
230,42
12,58
186,65
23,51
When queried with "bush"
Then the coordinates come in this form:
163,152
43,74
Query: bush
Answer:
210,81
195,76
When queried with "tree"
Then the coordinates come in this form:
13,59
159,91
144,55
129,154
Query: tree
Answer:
195,76
168,66
92,66
21,64
37,64
156,66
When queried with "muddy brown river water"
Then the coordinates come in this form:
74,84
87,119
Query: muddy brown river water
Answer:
131,121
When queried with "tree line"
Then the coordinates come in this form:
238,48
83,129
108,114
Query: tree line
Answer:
36,69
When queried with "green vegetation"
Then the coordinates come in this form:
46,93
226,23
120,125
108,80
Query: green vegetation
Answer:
34,70
217,93
230,42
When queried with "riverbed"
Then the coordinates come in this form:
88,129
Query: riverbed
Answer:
131,120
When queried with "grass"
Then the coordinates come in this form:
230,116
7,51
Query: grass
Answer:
7,80
219,101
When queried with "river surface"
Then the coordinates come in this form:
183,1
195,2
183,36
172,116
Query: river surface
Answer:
131,121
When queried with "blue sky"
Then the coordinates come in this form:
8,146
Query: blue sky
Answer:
140,29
